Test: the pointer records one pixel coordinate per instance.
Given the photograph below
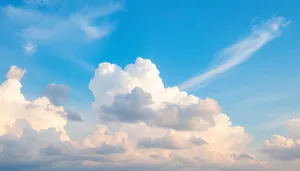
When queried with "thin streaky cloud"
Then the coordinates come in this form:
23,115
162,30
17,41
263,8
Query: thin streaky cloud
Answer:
88,67
263,99
37,2
240,51
79,62
38,26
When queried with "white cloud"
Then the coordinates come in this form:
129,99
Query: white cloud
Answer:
38,26
37,112
23,121
29,47
71,23
94,31
282,148
33,132
285,148
239,52
137,94
150,142
15,73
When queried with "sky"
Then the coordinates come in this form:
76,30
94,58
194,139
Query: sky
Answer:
143,85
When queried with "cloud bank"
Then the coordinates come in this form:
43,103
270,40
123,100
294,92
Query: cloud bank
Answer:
33,133
143,125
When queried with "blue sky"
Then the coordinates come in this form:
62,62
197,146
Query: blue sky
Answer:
183,38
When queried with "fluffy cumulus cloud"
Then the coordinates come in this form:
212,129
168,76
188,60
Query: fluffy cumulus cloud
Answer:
39,113
15,73
143,125
285,148
32,133
137,94
282,148
185,124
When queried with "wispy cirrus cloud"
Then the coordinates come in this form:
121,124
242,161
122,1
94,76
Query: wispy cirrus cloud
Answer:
37,2
240,51
38,26
60,25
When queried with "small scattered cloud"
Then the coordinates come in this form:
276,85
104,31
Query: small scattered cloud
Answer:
29,47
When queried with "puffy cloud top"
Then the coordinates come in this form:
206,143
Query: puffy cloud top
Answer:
137,94
15,73
282,148
39,113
